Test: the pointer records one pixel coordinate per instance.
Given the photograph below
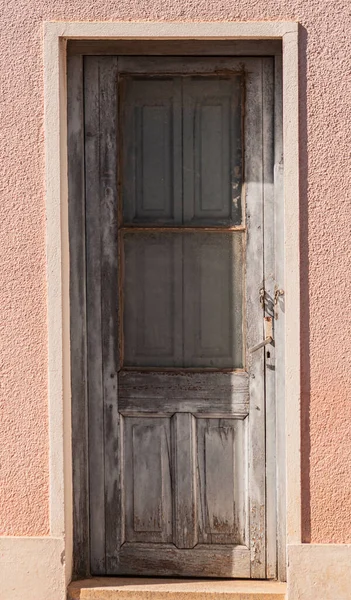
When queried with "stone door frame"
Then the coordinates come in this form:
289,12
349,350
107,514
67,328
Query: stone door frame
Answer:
59,257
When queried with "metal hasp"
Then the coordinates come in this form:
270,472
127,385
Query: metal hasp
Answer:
268,326
278,293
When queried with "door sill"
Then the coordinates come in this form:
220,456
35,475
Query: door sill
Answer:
140,588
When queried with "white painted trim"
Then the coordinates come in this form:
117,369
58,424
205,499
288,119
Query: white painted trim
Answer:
55,35
57,250
292,285
55,199
163,31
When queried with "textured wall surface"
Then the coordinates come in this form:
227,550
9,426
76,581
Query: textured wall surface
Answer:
325,66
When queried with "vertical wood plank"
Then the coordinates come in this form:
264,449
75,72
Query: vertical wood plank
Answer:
184,452
94,326
76,206
108,161
100,87
269,284
254,316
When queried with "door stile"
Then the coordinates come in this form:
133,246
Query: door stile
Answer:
78,324
269,309
102,308
94,359
110,307
254,315
184,479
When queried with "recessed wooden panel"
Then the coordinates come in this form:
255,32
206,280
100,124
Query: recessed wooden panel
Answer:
147,480
151,126
219,473
221,480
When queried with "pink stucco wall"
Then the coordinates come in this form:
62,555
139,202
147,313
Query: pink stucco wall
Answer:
326,247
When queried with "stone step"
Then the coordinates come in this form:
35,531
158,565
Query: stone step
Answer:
125,588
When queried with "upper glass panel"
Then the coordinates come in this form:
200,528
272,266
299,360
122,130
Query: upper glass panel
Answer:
182,150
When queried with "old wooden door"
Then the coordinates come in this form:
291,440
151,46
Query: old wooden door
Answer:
176,155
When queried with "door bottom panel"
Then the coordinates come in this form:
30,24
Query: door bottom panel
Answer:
201,561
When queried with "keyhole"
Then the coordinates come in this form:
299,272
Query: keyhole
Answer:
268,354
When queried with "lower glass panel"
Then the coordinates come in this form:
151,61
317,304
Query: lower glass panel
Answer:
183,299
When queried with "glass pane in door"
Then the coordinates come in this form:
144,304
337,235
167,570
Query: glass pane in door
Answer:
182,299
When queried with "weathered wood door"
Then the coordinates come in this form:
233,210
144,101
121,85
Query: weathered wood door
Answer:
176,155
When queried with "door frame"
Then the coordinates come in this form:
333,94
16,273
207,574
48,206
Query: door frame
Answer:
65,265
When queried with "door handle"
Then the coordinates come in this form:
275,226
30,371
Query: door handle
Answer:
267,340
268,325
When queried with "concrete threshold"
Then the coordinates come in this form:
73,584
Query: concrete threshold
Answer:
125,588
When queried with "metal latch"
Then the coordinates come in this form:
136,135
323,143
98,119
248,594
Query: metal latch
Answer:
268,328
